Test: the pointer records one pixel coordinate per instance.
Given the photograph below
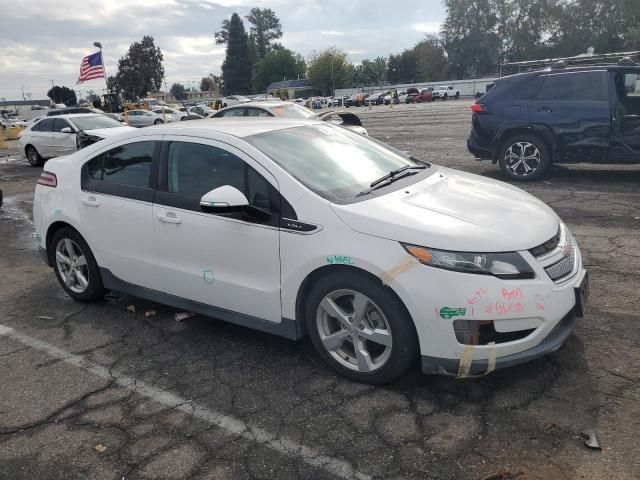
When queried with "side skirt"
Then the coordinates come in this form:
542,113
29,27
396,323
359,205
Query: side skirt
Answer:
287,328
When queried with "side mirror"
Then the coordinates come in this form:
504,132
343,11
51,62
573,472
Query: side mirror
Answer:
66,130
225,198
230,200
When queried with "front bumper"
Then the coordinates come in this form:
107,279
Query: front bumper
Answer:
451,366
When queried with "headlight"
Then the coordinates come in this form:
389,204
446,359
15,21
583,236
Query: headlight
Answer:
509,265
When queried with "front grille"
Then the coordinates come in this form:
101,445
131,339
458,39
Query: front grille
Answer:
564,267
547,246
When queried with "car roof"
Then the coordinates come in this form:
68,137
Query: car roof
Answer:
569,69
239,127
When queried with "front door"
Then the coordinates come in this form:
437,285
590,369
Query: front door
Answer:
575,106
115,206
63,143
226,261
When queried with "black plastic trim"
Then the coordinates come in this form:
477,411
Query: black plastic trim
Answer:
287,328
555,339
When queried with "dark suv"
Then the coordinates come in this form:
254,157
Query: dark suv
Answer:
528,122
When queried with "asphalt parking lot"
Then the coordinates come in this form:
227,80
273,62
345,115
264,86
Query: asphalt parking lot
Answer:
98,391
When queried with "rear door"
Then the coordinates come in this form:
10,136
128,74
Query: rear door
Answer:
574,107
115,205
42,138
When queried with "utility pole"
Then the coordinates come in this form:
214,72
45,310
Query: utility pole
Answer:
23,99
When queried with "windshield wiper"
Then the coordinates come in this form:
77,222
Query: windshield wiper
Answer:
391,177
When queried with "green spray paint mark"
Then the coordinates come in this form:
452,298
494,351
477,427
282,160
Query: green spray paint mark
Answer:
339,259
207,276
58,212
448,313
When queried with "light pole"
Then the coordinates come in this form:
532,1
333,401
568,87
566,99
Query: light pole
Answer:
333,87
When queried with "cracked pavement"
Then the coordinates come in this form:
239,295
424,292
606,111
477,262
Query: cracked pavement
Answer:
95,391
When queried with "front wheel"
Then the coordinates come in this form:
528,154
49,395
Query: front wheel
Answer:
444,97
524,157
457,95
158,122
360,328
75,266
34,158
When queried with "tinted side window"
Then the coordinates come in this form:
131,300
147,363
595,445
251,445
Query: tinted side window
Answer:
125,171
45,125
257,112
582,86
527,89
129,164
234,112
195,169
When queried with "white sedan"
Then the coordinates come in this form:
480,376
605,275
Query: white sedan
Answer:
170,114
64,134
143,118
296,227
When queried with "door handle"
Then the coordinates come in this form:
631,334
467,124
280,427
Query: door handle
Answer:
169,218
90,202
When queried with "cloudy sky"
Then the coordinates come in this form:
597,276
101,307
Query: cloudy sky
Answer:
45,40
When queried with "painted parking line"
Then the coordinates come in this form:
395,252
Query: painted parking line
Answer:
229,423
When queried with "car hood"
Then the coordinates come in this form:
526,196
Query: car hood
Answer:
453,210
108,132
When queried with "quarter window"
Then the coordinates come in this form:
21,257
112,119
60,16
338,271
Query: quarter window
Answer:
233,112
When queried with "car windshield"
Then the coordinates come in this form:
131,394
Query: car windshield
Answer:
329,160
92,122
292,111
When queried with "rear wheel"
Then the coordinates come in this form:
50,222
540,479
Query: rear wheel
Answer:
75,266
524,157
457,95
360,328
35,160
158,122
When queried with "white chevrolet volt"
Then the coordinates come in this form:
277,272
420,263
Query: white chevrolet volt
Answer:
297,227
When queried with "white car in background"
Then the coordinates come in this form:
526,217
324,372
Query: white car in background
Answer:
143,118
170,114
233,100
296,227
64,134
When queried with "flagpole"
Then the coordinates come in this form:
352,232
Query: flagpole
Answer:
104,68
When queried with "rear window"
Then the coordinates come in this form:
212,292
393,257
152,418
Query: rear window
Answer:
580,86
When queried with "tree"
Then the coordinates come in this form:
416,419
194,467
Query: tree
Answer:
470,34
140,71
237,66
92,96
431,61
63,95
321,65
277,65
265,27
210,83
178,91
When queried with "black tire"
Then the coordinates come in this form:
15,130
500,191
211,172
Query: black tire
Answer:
95,288
444,97
457,95
519,143
404,346
158,122
34,158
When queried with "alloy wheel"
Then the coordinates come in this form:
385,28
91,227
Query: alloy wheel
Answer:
72,265
32,156
522,159
354,331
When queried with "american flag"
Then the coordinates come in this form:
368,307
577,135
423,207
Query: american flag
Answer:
91,67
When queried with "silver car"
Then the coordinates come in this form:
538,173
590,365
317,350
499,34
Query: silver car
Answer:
143,118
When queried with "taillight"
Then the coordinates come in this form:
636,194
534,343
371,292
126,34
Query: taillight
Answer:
48,179
477,108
